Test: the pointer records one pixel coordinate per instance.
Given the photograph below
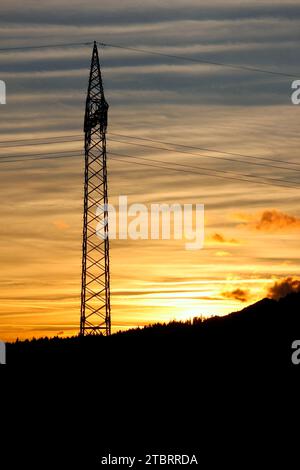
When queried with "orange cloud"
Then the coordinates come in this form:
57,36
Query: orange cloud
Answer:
237,294
284,287
271,220
219,238
60,225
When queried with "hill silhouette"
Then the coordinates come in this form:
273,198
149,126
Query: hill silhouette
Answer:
210,385
259,336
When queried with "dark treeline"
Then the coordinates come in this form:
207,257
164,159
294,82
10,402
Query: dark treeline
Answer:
260,335
210,385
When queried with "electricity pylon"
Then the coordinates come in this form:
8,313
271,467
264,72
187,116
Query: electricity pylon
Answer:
95,291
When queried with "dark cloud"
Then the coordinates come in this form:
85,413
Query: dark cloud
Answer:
219,238
111,13
227,32
237,294
284,287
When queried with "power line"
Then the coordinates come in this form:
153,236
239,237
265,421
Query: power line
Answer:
73,154
53,139
44,46
212,172
24,155
238,175
195,172
72,138
152,52
201,61
38,141
204,156
206,149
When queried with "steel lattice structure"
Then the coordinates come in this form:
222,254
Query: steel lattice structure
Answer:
95,292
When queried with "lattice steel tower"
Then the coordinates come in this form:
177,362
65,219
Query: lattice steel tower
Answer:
95,291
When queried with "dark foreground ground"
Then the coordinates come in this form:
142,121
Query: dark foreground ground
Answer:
259,336
225,389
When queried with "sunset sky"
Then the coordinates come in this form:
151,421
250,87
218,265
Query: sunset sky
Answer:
251,229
